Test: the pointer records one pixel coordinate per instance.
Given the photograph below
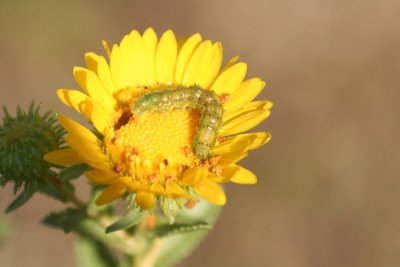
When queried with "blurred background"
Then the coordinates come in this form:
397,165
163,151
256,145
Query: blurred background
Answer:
329,187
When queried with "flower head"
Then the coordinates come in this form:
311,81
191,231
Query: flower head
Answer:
24,139
169,120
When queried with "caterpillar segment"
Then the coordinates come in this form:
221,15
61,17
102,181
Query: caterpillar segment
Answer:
194,97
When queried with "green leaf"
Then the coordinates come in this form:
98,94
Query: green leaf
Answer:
67,220
51,191
73,172
131,219
180,228
175,247
21,199
91,253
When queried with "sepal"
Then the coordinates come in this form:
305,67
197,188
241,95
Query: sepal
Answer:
21,199
130,220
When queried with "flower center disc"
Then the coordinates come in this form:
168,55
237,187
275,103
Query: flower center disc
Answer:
154,146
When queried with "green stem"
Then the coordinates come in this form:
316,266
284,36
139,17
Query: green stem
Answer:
94,229
147,249
55,181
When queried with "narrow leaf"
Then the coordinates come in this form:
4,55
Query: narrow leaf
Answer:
73,172
180,228
175,247
131,219
20,200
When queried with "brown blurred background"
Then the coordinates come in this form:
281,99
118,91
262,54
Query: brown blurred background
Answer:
328,191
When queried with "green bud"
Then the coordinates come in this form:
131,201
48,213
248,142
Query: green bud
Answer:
24,139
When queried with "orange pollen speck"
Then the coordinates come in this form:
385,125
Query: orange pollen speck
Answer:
224,98
191,202
154,146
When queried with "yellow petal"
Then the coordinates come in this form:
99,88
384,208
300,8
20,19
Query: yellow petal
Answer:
234,145
111,193
157,189
90,152
197,60
166,58
139,61
76,100
245,93
239,175
193,176
180,42
242,143
175,191
229,159
145,199
63,157
105,76
106,48
91,61
118,69
133,185
211,191
245,118
90,82
97,91
259,139
231,62
185,54
128,60
150,45
208,75
218,178
101,176
80,77
77,129
204,65
100,118
230,79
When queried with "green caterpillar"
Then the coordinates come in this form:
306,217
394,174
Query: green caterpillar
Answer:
206,101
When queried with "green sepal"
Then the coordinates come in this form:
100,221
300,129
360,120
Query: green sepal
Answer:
92,253
67,220
130,220
181,228
21,199
73,172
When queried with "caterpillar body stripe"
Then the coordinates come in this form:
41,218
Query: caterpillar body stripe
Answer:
206,101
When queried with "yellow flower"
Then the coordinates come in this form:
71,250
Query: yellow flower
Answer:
152,153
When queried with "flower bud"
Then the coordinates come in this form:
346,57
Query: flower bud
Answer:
24,139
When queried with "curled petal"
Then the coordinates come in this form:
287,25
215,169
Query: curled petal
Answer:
111,193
